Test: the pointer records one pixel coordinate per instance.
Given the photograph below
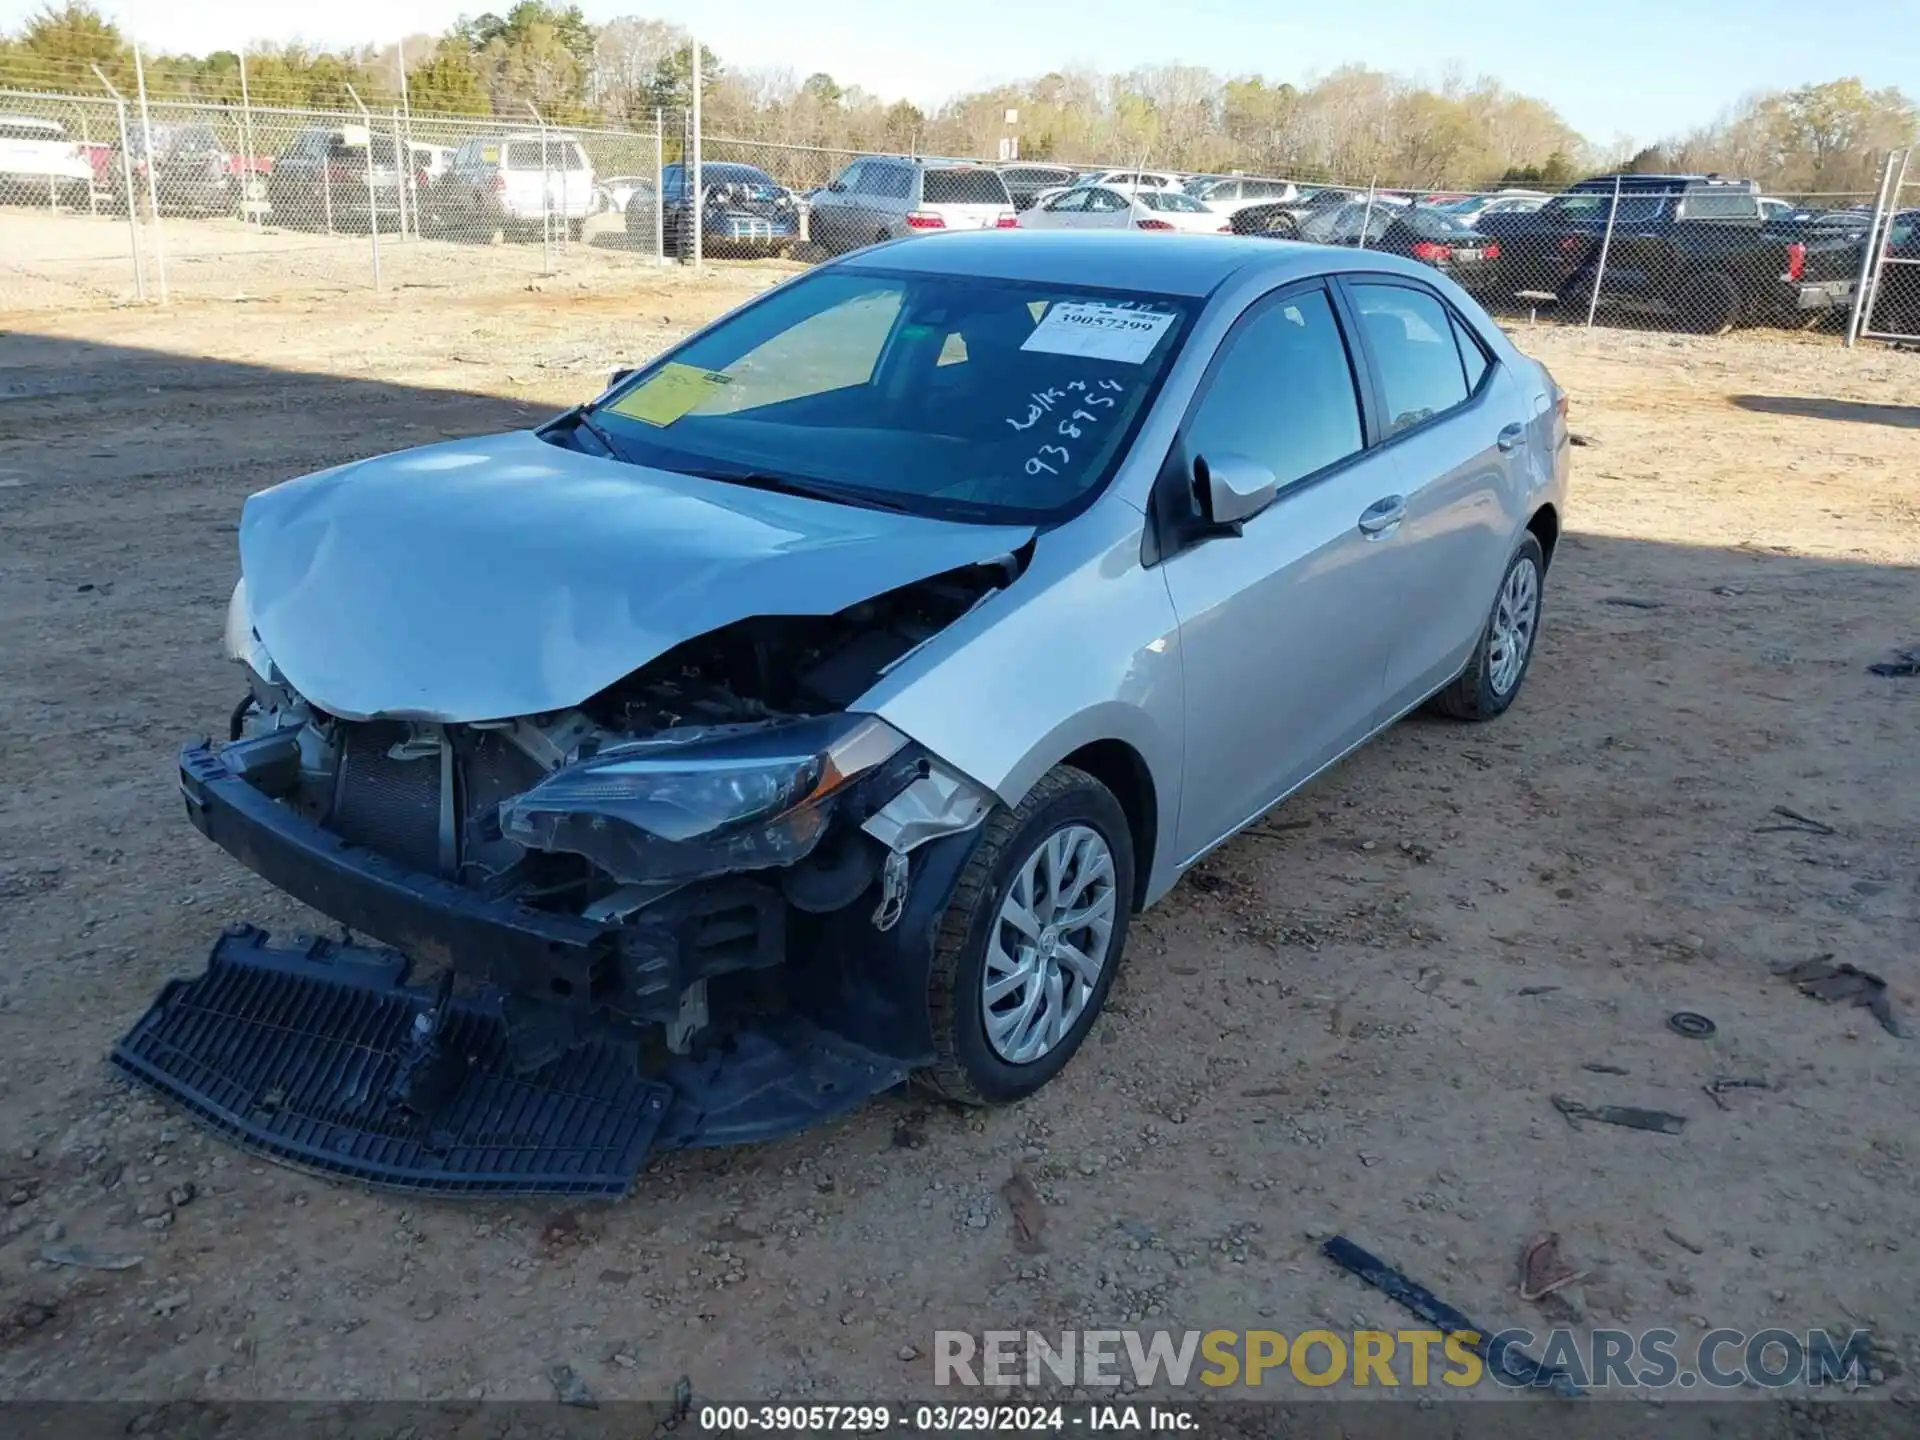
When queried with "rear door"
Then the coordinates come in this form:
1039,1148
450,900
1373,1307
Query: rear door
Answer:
1456,426
1286,626
965,197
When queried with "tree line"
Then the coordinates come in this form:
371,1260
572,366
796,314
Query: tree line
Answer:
1355,124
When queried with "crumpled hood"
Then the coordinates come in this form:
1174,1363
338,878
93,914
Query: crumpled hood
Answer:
501,576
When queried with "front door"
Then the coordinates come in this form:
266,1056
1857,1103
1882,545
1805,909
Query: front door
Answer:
1285,628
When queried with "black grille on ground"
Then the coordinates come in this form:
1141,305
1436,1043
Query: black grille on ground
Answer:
290,1051
388,805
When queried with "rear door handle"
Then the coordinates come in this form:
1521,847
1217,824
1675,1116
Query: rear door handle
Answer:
1512,437
1383,515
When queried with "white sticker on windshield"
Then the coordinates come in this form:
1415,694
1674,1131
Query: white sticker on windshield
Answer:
1099,332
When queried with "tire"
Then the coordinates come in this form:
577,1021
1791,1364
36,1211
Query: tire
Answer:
575,229
1475,694
970,1068
1709,303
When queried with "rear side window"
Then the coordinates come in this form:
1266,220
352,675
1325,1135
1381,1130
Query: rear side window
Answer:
894,181
963,187
1473,355
1283,394
560,155
17,130
1718,205
1411,335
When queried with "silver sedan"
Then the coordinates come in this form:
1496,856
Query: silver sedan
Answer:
872,656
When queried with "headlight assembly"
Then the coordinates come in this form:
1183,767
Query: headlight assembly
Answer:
239,641
685,807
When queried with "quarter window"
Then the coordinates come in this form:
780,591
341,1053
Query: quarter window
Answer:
1283,394
1411,336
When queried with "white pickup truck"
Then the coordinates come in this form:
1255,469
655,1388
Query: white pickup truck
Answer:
40,165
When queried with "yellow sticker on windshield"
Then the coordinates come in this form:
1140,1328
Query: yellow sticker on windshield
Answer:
670,392
489,154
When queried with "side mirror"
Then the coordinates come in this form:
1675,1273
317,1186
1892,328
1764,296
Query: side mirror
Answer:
618,373
1232,488
838,187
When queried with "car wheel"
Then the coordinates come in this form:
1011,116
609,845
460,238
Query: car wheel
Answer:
1028,946
1499,664
575,229
1709,303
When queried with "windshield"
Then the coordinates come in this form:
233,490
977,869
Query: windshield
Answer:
952,396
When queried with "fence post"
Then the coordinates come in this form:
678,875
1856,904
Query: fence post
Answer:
126,179
403,172
1884,202
373,208
1366,220
659,186
248,205
696,191
153,189
1606,244
546,194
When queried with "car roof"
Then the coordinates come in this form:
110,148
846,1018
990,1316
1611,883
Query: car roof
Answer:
1117,260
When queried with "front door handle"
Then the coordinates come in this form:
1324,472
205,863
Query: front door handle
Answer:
1383,515
1512,437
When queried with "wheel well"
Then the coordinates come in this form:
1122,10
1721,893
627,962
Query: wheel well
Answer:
1118,766
1545,527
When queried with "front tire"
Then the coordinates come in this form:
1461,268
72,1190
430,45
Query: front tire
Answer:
1030,942
1500,661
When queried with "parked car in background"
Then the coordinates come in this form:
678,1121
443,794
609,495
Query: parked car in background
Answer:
743,211
1230,194
336,178
1425,233
886,197
1283,219
617,190
1026,181
1115,207
512,185
40,164
191,174
430,162
1695,248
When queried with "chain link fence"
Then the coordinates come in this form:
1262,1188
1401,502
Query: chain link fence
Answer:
103,199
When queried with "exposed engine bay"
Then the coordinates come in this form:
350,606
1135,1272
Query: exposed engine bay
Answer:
693,808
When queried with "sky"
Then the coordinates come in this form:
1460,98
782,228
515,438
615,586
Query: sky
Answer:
1640,69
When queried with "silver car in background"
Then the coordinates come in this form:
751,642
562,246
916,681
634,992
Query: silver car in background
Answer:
866,661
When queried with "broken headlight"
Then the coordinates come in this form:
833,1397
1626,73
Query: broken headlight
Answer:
686,807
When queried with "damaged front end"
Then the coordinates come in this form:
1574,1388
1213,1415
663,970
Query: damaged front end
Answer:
713,885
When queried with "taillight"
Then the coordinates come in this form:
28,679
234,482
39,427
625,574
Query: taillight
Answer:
1492,250
1006,221
1226,229
1570,243
1431,253
925,220
1796,260
336,173
1153,224
499,185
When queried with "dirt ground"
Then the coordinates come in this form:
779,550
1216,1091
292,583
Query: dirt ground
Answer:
1351,1019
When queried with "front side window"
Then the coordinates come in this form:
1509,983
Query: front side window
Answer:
951,396
1411,336
1072,200
1283,394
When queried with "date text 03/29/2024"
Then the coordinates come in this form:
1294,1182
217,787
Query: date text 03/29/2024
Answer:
963,1419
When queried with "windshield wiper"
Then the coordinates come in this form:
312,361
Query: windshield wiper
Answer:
583,421
811,489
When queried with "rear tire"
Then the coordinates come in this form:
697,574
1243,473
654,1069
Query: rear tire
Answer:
1709,303
1071,810
1493,676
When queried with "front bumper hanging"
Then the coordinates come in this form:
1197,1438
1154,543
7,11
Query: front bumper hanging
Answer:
322,1056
